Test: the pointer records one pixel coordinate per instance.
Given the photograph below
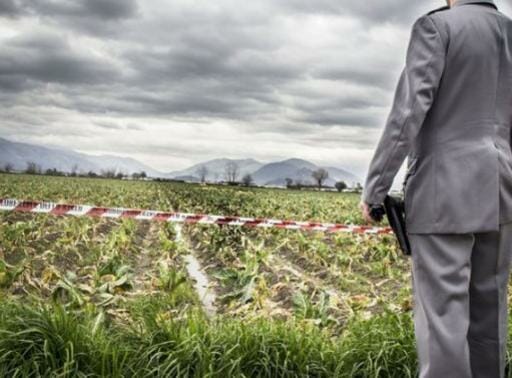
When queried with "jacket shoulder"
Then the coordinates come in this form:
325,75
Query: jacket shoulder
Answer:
437,18
437,10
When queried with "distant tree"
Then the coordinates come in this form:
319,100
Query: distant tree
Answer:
320,175
8,168
231,171
108,173
340,185
247,180
289,182
53,172
33,168
202,172
139,175
92,174
74,170
120,175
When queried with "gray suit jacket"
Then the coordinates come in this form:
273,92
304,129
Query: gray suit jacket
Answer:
451,118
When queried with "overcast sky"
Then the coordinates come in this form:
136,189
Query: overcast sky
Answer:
173,83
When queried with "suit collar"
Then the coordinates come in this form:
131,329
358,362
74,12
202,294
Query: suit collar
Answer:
464,2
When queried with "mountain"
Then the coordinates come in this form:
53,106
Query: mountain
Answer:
271,174
338,174
216,169
19,154
298,170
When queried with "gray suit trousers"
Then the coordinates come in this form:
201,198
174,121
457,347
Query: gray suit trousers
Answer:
460,284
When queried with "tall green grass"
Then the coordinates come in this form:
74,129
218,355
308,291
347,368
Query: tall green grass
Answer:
48,341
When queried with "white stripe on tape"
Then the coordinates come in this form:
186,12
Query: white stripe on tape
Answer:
9,204
147,215
79,210
113,213
44,207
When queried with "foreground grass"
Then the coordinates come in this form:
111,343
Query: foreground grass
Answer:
46,340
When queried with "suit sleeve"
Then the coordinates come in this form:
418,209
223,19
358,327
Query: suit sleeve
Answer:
413,98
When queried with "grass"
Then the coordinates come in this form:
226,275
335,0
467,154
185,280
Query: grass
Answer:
47,340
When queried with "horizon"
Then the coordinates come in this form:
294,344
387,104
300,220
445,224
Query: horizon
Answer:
261,162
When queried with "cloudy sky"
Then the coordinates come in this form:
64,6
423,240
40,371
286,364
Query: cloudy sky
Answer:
173,83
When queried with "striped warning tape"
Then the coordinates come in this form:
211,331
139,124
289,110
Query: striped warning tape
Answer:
117,212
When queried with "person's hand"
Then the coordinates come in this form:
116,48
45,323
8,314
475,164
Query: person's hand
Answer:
365,210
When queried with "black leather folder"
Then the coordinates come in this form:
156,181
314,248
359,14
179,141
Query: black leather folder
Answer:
395,211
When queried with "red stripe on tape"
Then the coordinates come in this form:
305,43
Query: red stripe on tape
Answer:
194,218
27,206
97,211
254,223
163,217
61,209
131,213
226,220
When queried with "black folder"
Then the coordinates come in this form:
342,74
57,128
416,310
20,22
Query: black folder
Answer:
395,211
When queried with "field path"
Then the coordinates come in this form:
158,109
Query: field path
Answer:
144,264
196,272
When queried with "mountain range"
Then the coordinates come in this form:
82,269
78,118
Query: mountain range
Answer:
18,155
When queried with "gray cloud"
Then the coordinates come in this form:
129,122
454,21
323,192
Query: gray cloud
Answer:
10,8
102,9
49,58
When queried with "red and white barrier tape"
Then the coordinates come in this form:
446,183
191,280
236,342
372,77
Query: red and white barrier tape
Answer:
115,212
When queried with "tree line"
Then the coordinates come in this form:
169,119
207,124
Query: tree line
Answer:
33,168
232,174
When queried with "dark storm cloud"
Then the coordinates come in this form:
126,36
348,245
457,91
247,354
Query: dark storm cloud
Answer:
209,61
192,103
102,9
109,9
10,8
204,79
15,83
36,59
94,17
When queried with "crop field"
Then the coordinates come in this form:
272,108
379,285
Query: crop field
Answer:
117,297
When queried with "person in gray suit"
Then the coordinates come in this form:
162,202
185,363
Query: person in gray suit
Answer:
452,118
